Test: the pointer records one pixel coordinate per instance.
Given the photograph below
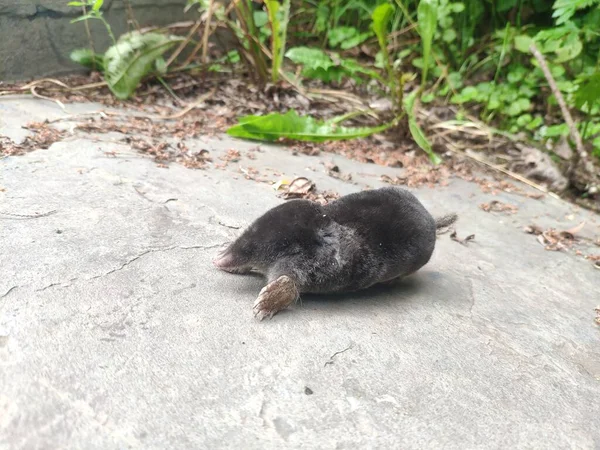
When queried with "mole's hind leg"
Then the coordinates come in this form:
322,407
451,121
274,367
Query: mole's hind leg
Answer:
275,296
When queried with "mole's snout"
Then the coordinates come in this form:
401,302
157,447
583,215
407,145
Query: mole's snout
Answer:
223,260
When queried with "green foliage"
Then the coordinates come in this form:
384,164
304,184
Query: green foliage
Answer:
382,16
471,53
279,17
564,10
318,65
427,24
347,37
88,58
290,125
588,93
416,131
133,57
94,12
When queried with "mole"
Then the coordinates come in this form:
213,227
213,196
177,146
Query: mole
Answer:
357,241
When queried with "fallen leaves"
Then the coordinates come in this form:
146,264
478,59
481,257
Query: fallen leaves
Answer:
554,240
231,156
43,136
196,160
498,206
333,170
415,176
595,259
302,187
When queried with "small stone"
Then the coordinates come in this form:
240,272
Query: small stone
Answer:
308,391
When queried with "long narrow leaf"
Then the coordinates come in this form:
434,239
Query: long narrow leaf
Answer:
301,128
416,131
381,20
427,23
279,16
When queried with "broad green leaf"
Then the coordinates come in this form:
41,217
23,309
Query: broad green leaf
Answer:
261,18
338,35
97,5
356,40
415,130
310,58
381,19
564,10
555,130
571,48
132,58
523,42
588,92
301,128
352,67
86,57
427,24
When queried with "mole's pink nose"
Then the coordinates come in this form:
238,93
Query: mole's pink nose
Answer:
224,260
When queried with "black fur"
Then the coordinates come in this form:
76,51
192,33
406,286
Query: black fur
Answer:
352,243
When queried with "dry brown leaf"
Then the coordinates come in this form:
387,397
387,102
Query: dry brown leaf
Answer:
533,229
304,188
498,206
298,188
570,233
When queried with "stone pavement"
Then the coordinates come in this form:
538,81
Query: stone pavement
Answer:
117,332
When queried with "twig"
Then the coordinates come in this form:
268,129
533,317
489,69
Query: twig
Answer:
207,31
188,108
184,43
130,16
170,91
58,102
516,176
337,353
89,36
581,153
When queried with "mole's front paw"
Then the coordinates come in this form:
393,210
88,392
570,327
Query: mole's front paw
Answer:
274,297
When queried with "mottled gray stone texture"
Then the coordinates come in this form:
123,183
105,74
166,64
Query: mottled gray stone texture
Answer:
117,332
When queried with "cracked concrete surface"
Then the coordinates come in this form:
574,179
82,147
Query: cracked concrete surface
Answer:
116,332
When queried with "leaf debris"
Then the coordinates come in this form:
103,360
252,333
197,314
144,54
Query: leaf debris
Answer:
498,206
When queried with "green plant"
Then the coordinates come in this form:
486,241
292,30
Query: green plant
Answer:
381,20
95,12
317,64
134,56
279,17
290,125
415,130
427,24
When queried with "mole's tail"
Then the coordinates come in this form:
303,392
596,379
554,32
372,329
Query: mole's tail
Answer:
445,221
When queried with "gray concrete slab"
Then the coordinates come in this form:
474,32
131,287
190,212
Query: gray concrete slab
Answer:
116,331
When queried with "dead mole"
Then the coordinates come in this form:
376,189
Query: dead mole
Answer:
352,243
